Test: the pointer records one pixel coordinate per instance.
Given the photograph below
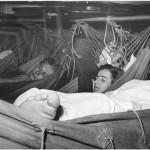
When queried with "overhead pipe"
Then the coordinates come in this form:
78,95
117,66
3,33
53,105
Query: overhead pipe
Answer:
23,20
125,18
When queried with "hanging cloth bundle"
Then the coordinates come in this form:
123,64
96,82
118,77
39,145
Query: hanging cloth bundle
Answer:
86,66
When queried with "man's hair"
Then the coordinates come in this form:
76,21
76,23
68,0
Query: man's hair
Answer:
116,72
48,60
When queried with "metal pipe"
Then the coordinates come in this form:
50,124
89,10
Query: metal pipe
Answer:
23,20
125,18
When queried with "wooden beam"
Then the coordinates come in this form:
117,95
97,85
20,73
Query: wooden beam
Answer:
24,20
8,33
125,18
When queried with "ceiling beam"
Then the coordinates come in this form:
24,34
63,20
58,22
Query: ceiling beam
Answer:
125,18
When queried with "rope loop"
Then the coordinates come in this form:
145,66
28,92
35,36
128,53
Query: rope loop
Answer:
111,141
43,138
142,127
108,19
43,127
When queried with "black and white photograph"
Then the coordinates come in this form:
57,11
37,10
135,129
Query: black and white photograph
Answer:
74,74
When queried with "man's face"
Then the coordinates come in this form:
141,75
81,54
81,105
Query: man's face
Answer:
42,71
103,81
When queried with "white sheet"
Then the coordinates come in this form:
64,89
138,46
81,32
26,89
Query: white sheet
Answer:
133,95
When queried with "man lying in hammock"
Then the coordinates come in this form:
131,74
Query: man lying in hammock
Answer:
133,95
45,68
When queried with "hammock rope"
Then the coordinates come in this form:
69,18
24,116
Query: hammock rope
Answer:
43,138
139,42
111,141
30,39
126,44
142,127
123,44
117,46
108,22
65,53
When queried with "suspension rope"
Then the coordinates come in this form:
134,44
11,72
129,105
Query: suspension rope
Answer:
141,125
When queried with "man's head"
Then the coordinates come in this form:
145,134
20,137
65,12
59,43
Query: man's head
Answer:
45,68
107,75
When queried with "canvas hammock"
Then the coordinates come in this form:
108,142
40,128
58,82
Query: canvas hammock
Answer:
71,87
30,65
138,70
47,83
32,41
127,130
9,63
21,130
11,89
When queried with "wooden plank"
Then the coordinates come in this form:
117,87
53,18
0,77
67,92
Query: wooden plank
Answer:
8,33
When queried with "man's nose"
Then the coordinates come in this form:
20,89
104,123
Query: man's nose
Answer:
38,72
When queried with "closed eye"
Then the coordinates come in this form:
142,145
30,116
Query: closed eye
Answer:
103,80
40,67
44,74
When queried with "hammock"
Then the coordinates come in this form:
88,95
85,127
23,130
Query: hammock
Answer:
18,88
30,65
12,88
136,45
8,64
71,87
32,42
141,67
138,70
21,130
64,51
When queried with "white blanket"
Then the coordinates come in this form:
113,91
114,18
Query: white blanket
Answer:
134,94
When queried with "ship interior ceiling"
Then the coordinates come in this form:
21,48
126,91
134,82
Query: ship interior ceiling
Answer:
64,13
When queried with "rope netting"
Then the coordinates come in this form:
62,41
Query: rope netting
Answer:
65,52
114,50
123,44
139,42
32,41
120,47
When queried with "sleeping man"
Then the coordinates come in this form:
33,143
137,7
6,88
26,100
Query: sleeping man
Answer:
133,95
